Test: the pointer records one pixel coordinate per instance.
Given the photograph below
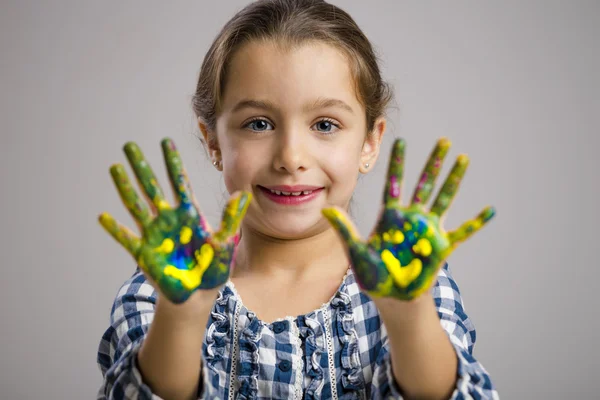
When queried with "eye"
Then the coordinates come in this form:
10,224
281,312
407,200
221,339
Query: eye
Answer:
326,125
258,125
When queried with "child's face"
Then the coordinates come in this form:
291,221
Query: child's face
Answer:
290,144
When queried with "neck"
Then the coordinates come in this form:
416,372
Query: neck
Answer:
319,255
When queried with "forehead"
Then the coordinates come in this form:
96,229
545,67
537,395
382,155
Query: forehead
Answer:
288,77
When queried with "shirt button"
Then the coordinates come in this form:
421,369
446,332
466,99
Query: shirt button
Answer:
285,365
279,327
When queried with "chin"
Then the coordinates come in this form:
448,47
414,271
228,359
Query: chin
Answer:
292,227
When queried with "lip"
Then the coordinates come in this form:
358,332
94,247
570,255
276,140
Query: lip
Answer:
296,188
291,200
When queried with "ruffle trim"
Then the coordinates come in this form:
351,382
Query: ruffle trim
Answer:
218,337
344,327
217,333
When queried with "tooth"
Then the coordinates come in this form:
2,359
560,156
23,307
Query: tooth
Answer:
285,193
296,193
277,192
306,192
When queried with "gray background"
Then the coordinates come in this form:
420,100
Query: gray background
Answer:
513,84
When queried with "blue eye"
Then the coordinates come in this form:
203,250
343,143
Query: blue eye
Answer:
258,125
327,125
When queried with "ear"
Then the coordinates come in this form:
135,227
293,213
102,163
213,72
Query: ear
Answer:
371,146
210,142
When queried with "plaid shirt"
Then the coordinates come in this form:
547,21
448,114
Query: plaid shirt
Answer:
340,351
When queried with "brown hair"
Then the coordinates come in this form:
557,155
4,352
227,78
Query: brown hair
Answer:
292,23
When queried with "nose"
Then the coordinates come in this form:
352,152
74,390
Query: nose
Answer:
291,155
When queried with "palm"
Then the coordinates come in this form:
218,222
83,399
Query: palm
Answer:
177,248
181,256
402,256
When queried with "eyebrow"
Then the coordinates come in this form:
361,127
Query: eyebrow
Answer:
319,103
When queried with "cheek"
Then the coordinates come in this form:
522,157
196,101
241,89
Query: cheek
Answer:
342,166
238,169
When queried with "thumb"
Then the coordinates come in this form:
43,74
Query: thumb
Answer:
364,261
343,225
233,214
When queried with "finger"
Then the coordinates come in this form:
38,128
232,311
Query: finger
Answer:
364,261
343,225
232,215
393,183
129,197
430,172
179,179
451,185
121,234
145,176
470,227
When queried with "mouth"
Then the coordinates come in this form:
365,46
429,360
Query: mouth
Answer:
291,195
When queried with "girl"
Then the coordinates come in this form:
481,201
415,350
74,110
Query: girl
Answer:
290,103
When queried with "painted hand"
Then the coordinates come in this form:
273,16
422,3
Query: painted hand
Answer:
408,246
177,248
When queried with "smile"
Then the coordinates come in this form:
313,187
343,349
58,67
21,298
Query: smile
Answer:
304,192
290,198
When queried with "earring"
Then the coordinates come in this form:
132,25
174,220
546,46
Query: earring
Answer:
215,163
367,165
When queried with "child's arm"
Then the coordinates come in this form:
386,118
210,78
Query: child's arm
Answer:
149,338
424,360
397,266
151,348
471,380
170,356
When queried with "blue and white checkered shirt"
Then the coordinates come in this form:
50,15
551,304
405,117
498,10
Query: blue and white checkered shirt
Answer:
340,351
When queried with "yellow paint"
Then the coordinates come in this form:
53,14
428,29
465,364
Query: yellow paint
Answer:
191,279
398,237
383,288
403,276
336,218
423,247
463,158
393,236
233,206
185,235
407,226
430,230
166,246
205,255
163,205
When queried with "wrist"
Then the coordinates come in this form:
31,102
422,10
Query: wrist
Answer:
195,309
406,314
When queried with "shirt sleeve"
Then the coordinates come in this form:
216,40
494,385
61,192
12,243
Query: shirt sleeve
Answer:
473,381
131,315
130,318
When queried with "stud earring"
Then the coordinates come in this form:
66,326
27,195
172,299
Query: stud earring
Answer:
215,163
367,165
